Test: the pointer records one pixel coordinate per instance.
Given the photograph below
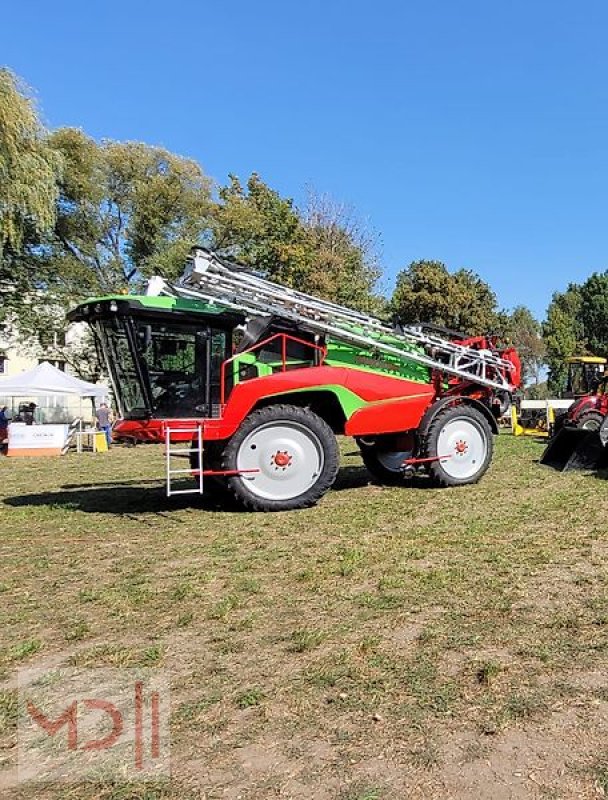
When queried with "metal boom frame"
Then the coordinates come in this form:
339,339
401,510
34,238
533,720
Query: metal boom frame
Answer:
216,280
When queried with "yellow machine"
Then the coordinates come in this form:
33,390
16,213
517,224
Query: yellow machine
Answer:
535,417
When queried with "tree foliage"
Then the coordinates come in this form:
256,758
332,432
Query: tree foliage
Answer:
125,211
593,313
323,251
263,230
29,169
343,261
525,333
427,292
576,324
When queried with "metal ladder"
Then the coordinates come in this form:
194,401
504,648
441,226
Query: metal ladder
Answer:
183,452
215,280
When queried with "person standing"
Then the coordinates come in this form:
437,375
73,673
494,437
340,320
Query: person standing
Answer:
104,421
3,429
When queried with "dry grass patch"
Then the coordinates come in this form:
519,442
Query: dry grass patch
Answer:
367,648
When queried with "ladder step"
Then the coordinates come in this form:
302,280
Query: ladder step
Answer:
180,472
184,491
184,452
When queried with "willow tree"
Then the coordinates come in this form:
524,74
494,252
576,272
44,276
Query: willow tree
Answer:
29,168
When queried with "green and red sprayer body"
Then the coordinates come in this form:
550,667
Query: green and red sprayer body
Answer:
189,365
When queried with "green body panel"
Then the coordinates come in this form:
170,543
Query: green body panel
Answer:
349,401
249,359
340,354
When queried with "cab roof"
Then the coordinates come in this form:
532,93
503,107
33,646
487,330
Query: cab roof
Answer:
124,304
586,360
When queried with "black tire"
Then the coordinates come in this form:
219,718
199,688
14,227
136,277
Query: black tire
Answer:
384,457
502,404
590,421
266,427
472,421
212,454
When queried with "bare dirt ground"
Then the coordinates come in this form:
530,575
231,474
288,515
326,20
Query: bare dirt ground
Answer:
390,643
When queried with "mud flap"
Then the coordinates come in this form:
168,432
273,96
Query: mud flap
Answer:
574,448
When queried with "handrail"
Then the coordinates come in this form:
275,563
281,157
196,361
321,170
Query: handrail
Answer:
284,339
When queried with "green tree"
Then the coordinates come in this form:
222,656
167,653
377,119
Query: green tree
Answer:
322,251
28,169
593,313
261,229
563,334
125,211
537,391
427,292
576,324
343,261
525,333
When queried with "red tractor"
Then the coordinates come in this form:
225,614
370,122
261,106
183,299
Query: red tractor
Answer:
588,386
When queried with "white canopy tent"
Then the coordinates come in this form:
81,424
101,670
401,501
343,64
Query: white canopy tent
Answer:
64,393
46,380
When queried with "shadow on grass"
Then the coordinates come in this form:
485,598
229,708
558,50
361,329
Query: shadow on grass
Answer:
357,477
120,499
134,497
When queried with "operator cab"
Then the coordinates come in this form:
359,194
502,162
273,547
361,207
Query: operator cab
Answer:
168,357
164,354
586,374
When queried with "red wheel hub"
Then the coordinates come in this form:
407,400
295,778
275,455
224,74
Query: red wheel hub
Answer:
281,458
461,447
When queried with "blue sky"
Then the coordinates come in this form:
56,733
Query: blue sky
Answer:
475,133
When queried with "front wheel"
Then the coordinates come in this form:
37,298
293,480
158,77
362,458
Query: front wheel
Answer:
288,458
460,440
590,421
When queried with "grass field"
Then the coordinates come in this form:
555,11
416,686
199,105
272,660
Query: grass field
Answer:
390,643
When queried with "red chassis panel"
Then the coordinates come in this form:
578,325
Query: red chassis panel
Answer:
390,416
398,404
589,402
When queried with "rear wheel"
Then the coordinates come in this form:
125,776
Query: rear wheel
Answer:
384,456
288,456
463,437
590,421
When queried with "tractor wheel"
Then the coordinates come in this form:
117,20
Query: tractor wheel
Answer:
590,421
384,457
289,457
461,434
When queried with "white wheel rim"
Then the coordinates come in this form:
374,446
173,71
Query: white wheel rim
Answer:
392,460
465,447
591,425
288,458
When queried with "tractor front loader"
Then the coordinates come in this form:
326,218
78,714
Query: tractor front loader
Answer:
577,448
577,443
